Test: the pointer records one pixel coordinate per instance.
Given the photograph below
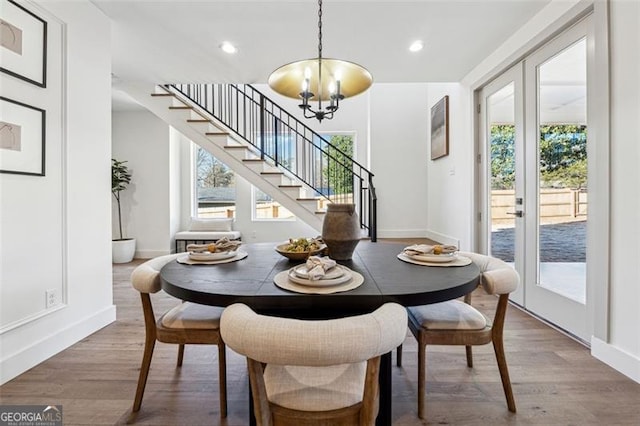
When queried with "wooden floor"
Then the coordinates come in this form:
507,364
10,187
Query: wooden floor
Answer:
555,380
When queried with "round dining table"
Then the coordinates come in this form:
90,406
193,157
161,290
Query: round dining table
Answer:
386,279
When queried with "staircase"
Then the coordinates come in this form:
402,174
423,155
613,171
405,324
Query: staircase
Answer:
267,146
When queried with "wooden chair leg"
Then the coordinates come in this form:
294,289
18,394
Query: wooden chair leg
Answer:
469,356
144,373
222,378
498,348
399,356
180,355
422,381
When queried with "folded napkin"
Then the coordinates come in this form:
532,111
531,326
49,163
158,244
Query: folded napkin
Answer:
418,249
317,266
222,245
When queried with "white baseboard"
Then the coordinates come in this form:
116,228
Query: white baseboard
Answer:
443,239
150,254
44,349
616,358
401,233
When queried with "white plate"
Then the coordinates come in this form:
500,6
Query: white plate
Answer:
206,256
318,283
435,258
335,272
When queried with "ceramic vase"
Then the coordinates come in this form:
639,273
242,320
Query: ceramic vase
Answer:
341,230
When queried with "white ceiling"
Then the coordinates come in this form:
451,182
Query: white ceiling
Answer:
178,40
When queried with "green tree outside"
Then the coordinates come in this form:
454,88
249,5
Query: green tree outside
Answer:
338,172
563,156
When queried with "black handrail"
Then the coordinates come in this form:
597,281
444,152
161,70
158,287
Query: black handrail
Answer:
285,142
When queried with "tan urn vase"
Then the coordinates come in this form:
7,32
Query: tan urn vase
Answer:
341,230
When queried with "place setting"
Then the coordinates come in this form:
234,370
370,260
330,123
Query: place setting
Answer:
222,251
433,255
318,275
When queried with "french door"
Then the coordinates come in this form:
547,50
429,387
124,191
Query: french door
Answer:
534,198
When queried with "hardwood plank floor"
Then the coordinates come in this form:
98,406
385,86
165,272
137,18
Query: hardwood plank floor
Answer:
555,380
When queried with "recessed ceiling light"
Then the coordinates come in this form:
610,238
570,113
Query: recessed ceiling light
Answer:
416,46
228,47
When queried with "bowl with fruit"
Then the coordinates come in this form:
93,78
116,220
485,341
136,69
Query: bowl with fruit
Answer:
301,248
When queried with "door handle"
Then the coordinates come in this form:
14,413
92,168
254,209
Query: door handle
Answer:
517,213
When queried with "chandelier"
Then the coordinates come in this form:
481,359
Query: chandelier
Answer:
320,80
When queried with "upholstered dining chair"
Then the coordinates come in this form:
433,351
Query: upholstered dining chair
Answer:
187,323
314,372
458,323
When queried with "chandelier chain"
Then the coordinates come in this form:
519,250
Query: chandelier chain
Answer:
320,29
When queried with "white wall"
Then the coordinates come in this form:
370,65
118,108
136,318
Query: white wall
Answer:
449,206
623,348
66,213
399,145
142,139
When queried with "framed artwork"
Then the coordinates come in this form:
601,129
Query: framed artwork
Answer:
22,138
440,128
23,44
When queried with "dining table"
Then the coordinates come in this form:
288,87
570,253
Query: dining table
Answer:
385,277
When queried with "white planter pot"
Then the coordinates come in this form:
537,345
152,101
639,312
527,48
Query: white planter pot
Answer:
122,251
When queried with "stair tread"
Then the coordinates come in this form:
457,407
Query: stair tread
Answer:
271,173
198,120
217,134
235,147
162,94
289,186
254,160
306,199
180,107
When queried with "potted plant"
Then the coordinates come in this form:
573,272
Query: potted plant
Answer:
122,249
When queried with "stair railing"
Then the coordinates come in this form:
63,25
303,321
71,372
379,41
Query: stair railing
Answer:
285,142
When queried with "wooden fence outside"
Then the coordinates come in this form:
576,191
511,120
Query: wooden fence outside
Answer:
556,205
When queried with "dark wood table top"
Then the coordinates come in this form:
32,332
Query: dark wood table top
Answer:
386,279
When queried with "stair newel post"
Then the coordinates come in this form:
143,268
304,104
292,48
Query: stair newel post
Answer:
373,208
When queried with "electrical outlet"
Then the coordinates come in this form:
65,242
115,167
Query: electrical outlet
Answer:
51,298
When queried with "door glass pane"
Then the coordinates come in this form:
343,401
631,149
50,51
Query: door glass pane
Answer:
501,127
562,197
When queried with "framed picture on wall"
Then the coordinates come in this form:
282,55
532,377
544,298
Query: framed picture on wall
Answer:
440,128
22,138
23,44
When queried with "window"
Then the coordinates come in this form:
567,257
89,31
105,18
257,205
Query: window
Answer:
215,186
336,178
266,208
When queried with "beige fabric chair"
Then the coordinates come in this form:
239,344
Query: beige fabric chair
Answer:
314,372
458,323
187,323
